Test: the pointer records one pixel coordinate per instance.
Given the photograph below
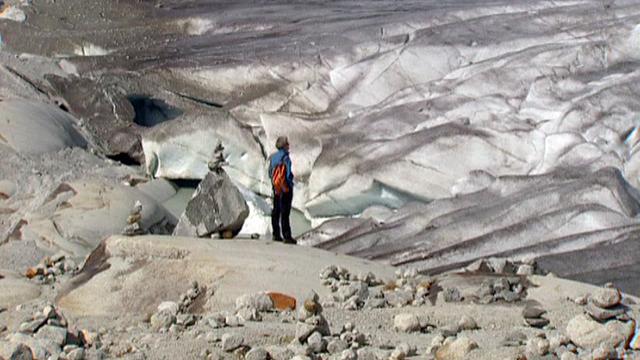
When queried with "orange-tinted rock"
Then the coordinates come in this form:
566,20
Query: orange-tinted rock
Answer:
282,301
33,272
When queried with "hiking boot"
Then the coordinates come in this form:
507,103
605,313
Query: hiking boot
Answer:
290,241
276,238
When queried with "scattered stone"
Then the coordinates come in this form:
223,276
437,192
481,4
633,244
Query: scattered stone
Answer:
316,343
162,320
303,331
349,354
336,346
581,300
568,355
76,354
605,352
15,351
457,349
170,307
257,354
449,330
406,323
537,346
525,270
514,339
50,268
406,349
467,323
32,326
233,321
606,298
398,298
54,334
452,295
186,320
231,342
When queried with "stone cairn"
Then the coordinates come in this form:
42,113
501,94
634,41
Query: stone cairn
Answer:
133,221
218,160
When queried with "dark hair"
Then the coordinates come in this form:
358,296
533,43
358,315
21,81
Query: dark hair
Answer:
281,142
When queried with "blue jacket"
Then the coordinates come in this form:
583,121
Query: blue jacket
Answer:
281,156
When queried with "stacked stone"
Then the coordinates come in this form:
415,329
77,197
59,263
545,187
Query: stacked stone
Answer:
312,327
134,226
606,328
47,334
533,316
218,160
171,316
50,268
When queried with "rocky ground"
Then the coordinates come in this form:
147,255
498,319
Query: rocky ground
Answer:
256,299
455,161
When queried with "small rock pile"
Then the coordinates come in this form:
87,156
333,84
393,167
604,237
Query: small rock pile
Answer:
172,316
503,266
533,316
409,288
50,268
134,226
509,289
605,330
605,305
354,292
47,334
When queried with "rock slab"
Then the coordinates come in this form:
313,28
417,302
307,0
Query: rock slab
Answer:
217,206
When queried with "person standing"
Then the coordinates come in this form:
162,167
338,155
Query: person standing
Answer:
282,182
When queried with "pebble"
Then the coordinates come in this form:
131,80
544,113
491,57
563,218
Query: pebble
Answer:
231,342
467,323
336,346
406,322
537,346
349,354
452,295
257,354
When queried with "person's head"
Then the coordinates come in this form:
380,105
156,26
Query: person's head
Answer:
282,143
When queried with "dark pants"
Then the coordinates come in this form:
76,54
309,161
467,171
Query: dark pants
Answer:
280,215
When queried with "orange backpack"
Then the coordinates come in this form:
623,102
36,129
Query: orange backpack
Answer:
279,179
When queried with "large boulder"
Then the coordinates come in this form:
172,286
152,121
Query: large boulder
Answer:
590,334
216,206
22,122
